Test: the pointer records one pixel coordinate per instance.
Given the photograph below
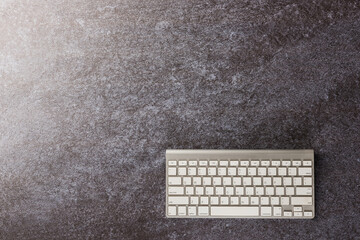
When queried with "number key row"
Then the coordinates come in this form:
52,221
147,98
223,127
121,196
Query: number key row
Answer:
241,171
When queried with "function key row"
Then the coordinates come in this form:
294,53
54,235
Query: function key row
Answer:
286,163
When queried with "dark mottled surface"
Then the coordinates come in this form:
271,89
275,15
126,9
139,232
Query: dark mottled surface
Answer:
93,92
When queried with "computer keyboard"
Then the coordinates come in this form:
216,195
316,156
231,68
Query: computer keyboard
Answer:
240,184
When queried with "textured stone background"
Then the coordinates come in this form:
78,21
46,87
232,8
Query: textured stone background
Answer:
93,92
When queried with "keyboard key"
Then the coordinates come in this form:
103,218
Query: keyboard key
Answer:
231,171
265,201
221,171
287,181
174,180
172,163
203,211
254,163
227,181
189,190
254,201
244,200
182,163
234,200
285,200
297,181
298,214
252,171
224,163
235,211
224,200
214,200
301,200
265,163
307,181
239,191
280,191
259,191
242,171
191,171
246,181
244,163
277,181
192,211
234,163
199,190
275,200
287,213
271,171
286,163
219,191
182,211
171,211
209,190
178,200
261,171
229,190
297,209
292,171
187,181
304,191
290,191
256,181
269,191
305,171
194,200
275,163
204,200
267,181
182,171
307,163
213,163
249,190
206,181
203,163
197,180
216,181
193,163
202,171
296,163
172,171
176,190
277,211
265,211
236,181
308,214
212,171
281,171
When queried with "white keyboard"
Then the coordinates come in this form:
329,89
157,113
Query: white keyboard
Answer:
240,184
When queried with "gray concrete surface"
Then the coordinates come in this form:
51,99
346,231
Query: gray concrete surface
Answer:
93,92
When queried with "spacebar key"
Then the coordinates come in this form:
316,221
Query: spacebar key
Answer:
235,211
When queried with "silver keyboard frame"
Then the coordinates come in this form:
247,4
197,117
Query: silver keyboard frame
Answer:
182,154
